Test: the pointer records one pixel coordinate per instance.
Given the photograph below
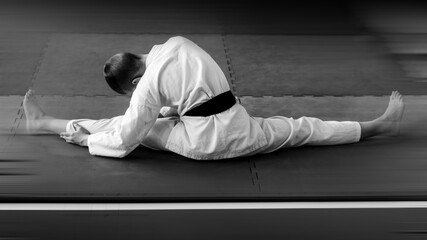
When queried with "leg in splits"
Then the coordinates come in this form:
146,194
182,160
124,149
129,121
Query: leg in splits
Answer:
282,132
38,120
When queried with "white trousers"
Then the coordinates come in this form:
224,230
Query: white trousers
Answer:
280,132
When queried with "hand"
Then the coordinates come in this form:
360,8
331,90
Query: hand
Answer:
79,137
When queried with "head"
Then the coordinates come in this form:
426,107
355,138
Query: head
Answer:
123,71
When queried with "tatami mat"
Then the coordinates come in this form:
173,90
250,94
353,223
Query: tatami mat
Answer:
73,63
376,168
15,172
10,110
316,65
20,55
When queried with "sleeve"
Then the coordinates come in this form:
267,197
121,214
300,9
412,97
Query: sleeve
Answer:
135,125
145,104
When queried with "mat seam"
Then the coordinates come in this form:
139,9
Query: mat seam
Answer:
230,67
20,113
252,166
255,175
14,170
39,63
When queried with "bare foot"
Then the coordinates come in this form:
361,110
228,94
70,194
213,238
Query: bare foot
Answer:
33,112
390,120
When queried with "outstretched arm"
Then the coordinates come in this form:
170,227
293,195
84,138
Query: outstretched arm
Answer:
134,126
115,137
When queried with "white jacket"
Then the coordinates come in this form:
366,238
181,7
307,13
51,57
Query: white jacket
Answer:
181,75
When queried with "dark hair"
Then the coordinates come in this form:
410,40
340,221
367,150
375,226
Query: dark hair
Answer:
120,70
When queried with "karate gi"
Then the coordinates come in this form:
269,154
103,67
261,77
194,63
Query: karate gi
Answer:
180,76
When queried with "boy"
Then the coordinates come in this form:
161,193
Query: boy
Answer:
199,116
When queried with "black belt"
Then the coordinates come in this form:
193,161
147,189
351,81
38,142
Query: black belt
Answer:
215,105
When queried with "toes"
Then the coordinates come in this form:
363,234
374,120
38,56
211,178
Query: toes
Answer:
395,95
399,96
29,95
